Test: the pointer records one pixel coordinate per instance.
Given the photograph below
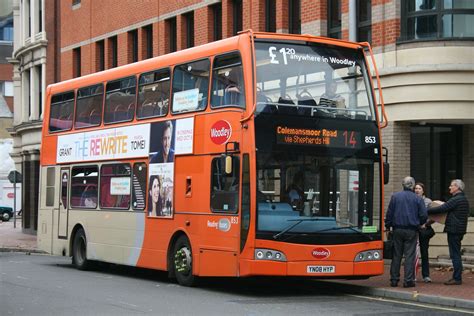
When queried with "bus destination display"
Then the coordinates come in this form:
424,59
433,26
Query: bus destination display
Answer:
333,138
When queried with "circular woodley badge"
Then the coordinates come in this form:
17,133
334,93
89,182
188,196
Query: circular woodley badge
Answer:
221,132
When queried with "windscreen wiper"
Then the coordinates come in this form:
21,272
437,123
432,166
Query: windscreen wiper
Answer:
298,221
353,228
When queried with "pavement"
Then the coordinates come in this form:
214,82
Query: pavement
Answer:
436,293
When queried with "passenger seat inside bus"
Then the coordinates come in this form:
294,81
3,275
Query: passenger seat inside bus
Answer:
94,117
306,99
232,95
286,109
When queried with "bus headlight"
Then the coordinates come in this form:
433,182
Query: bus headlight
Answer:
368,255
269,254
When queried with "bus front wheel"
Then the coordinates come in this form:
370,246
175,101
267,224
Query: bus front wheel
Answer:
183,262
79,251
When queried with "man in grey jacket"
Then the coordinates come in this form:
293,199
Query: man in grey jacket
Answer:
457,209
405,214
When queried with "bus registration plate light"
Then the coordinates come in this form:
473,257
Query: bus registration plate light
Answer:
321,269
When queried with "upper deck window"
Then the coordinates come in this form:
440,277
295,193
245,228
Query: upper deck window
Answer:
228,81
62,108
312,80
190,86
120,100
154,94
89,106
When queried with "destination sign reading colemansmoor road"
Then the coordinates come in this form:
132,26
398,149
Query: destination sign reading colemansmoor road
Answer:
318,137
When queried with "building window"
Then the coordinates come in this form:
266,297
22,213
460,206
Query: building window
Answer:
148,31
6,30
113,58
76,4
6,88
100,51
28,17
172,34
217,18
40,89
237,9
294,17
436,19
40,16
133,42
76,62
270,15
436,157
334,19
189,18
364,21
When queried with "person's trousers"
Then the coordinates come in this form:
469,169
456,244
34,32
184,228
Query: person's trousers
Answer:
454,244
425,261
404,244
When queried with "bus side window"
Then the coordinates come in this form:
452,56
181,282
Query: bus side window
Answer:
84,181
115,186
224,188
153,94
139,179
190,84
62,108
120,100
228,82
89,106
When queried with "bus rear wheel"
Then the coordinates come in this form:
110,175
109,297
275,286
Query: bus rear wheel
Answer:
183,262
79,251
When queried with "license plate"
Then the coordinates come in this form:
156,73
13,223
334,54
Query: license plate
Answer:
321,269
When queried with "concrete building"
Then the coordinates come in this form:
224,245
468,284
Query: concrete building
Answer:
424,50
6,101
34,65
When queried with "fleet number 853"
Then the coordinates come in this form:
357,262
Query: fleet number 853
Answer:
370,140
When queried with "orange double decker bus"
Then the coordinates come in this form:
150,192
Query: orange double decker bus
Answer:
258,154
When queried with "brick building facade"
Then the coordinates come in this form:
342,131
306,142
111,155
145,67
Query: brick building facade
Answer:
423,49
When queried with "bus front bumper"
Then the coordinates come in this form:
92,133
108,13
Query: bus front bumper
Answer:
323,269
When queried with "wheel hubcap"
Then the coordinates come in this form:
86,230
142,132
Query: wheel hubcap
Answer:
182,260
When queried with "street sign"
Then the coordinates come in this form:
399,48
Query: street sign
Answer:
14,176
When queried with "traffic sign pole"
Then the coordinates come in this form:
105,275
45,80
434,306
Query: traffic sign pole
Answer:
14,176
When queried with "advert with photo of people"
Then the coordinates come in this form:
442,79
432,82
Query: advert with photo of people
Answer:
161,181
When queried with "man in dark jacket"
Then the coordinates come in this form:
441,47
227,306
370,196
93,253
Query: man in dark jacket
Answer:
457,209
405,214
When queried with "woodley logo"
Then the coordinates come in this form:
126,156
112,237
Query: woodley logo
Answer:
221,132
321,253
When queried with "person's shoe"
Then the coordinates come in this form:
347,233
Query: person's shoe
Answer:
453,282
393,283
427,280
409,284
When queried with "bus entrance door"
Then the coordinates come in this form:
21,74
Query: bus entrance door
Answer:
63,204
